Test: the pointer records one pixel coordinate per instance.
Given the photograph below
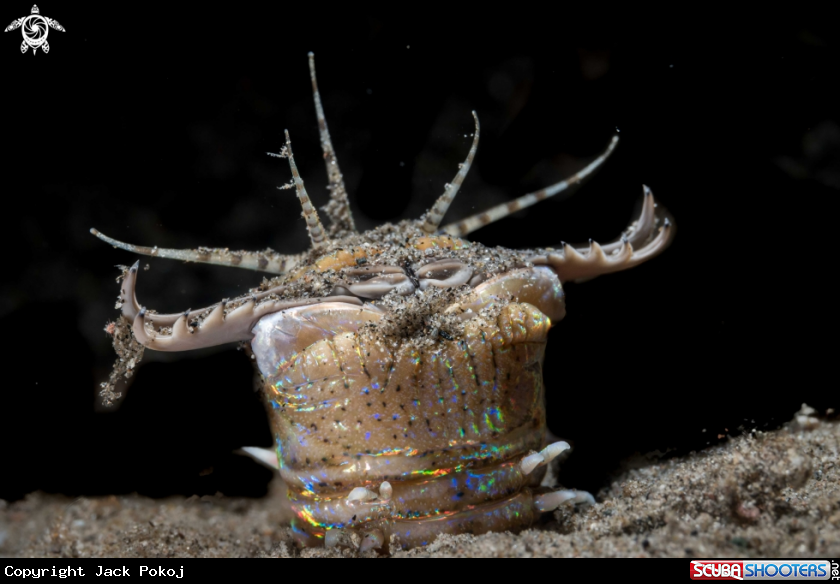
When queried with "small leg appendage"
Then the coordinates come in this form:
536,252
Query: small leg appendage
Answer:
346,537
372,540
544,456
551,501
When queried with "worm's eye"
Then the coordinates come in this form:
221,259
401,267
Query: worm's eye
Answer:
377,281
381,285
444,274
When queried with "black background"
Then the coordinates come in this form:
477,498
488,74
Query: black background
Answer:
152,124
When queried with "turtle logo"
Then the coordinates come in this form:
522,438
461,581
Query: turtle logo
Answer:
35,29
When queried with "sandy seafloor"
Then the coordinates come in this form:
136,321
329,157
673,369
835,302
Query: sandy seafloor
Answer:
774,494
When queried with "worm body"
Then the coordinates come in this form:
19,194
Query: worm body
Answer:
401,367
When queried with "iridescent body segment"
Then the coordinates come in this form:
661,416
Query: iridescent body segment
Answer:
401,367
444,425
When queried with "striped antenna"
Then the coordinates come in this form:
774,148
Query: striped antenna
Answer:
338,209
434,216
264,261
313,223
470,224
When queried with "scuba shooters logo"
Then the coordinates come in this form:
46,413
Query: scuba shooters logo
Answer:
764,570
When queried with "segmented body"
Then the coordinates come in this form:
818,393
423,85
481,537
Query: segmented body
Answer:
401,367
